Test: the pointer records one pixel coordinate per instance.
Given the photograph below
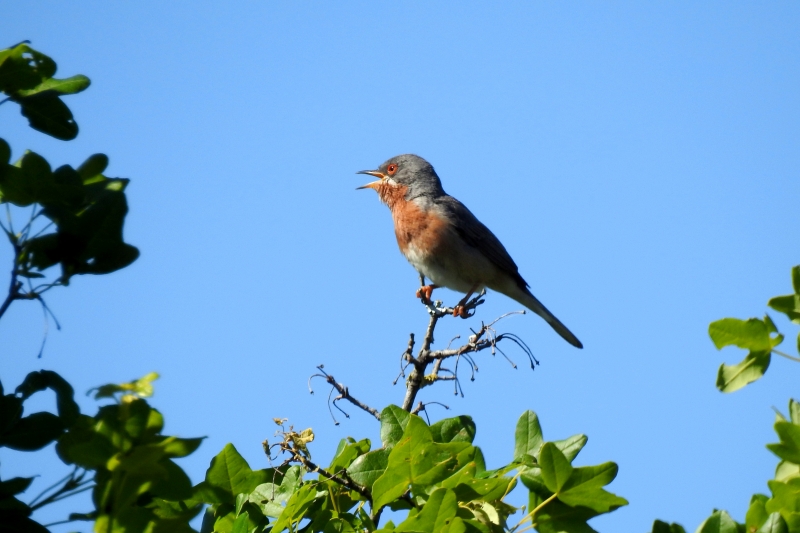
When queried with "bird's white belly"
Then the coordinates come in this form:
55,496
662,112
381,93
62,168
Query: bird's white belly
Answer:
445,270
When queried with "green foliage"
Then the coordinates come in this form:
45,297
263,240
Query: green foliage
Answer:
86,209
26,77
434,472
759,336
30,433
136,485
779,512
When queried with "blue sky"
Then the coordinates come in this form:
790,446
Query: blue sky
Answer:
638,160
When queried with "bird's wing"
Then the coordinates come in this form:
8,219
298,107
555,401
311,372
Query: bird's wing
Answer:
479,236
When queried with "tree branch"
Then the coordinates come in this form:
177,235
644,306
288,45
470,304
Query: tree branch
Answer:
477,342
344,394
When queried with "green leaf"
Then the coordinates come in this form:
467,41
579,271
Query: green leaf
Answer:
230,473
393,422
48,114
731,378
71,85
177,447
416,459
436,515
367,468
756,512
572,446
35,382
94,166
142,387
338,525
528,436
774,524
584,488
789,304
348,453
83,445
786,470
751,334
33,432
794,412
557,517
26,76
470,489
664,527
718,522
789,447
456,429
785,496
241,524
22,68
556,469
296,507
14,486
272,496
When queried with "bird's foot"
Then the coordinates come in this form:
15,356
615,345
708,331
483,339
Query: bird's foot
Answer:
463,311
424,293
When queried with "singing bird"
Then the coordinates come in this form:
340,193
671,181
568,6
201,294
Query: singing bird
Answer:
445,242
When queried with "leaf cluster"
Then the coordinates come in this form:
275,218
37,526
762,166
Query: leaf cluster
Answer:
84,211
30,433
26,77
760,337
120,454
433,472
780,512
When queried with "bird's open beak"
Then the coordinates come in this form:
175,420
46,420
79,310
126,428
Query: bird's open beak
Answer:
372,184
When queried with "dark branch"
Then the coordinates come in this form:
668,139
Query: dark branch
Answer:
344,394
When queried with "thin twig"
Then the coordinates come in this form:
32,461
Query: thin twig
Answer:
344,394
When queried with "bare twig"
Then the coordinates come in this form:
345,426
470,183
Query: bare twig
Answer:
344,394
484,338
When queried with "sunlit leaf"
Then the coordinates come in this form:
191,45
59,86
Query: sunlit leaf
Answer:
731,378
528,436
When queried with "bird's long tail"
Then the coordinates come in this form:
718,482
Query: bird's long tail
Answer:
527,299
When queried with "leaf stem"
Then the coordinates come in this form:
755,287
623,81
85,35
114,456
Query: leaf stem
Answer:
532,515
786,355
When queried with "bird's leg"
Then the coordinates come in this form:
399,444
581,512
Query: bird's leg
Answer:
424,293
459,309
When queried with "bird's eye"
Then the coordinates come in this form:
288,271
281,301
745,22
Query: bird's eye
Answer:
391,169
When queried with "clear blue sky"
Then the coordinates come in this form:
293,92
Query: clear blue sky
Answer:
639,160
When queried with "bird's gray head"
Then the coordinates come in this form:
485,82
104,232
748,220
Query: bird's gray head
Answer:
409,173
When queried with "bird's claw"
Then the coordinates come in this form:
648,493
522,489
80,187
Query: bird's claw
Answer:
463,312
424,293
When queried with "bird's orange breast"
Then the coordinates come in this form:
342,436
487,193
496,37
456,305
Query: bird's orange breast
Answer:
413,226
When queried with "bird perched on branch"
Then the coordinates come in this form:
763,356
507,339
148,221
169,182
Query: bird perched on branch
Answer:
444,241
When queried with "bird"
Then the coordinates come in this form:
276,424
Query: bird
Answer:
446,243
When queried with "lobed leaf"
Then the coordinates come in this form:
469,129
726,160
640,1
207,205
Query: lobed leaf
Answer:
556,469
416,459
789,447
527,436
